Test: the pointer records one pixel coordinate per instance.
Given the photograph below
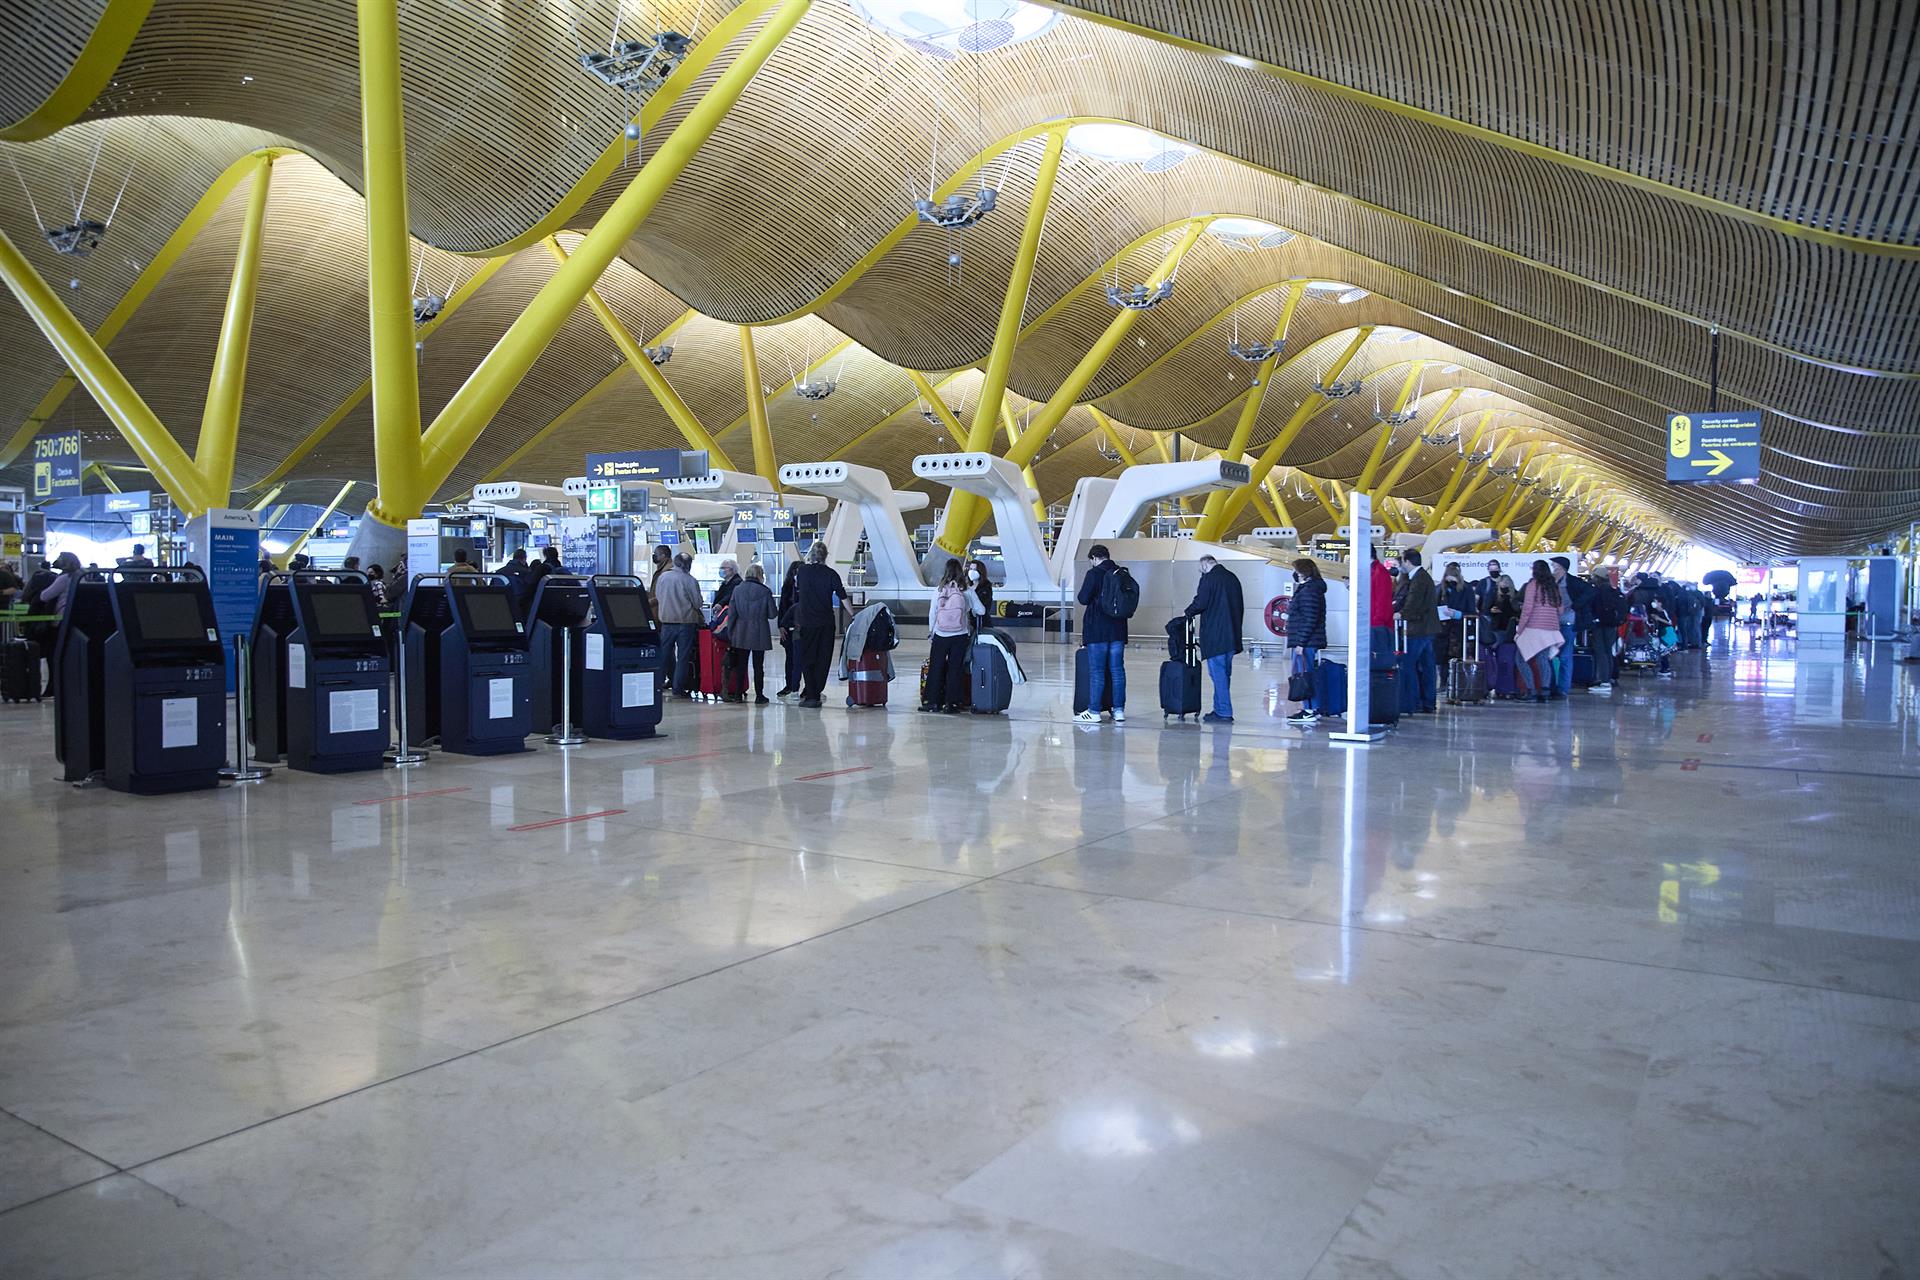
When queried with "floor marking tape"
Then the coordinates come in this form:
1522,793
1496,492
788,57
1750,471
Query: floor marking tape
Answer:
413,795
560,822
832,773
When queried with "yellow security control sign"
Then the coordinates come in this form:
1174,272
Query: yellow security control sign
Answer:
1713,448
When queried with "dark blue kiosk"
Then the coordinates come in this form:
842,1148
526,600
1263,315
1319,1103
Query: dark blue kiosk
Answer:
142,694
469,674
320,673
617,665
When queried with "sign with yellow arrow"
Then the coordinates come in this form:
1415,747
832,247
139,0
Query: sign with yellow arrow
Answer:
1713,448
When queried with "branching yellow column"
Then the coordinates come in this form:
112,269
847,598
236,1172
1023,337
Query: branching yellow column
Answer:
1279,503
964,510
1544,525
1113,437
1326,503
1448,512
1460,467
1365,483
1026,472
1256,395
220,421
1509,504
1214,524
758,427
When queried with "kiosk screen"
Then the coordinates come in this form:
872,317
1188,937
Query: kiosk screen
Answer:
489,614
341,615
626,610
169,617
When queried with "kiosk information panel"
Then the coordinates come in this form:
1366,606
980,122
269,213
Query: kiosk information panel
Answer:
165,688
618,662
337,713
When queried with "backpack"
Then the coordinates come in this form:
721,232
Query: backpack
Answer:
1119,594
950,610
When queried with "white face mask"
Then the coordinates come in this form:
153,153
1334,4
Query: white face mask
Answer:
973,575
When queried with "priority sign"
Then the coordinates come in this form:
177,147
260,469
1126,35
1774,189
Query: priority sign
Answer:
1713,448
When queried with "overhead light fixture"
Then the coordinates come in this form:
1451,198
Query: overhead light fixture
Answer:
77,239
949,28
1338,390
1127,144
426,306
958,210
1139,297
638,67
659,355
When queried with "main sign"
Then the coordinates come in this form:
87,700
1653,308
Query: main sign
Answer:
645,464
1713,448
56,466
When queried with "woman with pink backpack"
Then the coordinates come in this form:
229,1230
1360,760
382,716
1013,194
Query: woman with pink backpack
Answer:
950,632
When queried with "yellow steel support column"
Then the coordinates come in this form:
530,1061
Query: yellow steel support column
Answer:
656,382
1266,510
939,407
220,422
1538,533
1407,455
1050,415
459,424
1215,523
1279,503
964,510
158,451
757,425
1510,503
399,489
1113,437
1326,503
1460,467
1256,395
1449,511
1026,472
285,558
1365,482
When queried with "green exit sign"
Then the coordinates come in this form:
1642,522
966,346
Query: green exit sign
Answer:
603,499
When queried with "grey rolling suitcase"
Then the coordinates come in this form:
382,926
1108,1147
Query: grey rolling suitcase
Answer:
992,682
1180,673
1467,674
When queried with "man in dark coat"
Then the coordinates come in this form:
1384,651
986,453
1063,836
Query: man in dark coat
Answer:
1419,608
1220,608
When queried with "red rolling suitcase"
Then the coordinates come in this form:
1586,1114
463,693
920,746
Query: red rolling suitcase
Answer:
867,680
713,666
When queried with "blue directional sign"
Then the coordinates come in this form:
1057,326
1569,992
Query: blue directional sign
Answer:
56,466
1713,448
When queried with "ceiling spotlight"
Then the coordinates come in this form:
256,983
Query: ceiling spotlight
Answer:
1439,440
1254,352
817,390
1395,417
1139,297
1479,456
958,211
77,239
638,66
933,417
426,306
659,355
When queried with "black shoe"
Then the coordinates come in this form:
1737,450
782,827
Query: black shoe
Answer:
810,702
1428,711
761,699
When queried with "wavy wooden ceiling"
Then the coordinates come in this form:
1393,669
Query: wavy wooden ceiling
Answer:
1561,197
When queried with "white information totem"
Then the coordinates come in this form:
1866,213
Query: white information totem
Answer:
1359,728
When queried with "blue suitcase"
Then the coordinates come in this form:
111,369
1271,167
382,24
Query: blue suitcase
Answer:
992,683
1330,688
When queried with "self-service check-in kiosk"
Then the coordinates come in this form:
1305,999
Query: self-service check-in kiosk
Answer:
616,670
320,673
469,674
559,610
142,694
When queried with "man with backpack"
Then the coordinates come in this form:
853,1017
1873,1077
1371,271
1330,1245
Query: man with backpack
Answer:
1609,610
1110,595
1220,606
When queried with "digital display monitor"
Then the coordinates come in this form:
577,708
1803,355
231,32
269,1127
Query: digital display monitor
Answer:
486,615
626,610
340,614
169,616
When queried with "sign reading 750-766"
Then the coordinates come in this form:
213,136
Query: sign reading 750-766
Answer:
57,464
1713,448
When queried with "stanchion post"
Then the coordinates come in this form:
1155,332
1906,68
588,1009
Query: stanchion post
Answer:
564,736
242,770
402,756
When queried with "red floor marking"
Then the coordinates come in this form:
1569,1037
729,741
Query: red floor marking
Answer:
704,755
832,773
560,822
413,795
1705,737
1689,766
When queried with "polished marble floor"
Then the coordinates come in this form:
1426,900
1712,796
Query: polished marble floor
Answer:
1627,986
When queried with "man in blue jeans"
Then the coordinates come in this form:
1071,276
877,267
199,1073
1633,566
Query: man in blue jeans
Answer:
1106,640
1573,594
1220,606
1420,609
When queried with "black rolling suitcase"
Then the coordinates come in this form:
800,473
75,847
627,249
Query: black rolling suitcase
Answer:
991,681
1383,696
20,671
1180,673
1082,682
1467,674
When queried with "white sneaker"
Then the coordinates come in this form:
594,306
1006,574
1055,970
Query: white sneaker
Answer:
1087,717
1119,715
1601,688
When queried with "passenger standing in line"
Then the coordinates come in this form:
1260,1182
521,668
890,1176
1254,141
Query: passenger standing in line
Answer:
519,576
788,641
1609,610
1573,596
1487,588
138,560
461,563
377,583
1540,610
662,561
350,564
1420,609
750,632
549,562
1504,611
949,630
980,587
1307,629
679,623
1106,640
729,579
1220,607
58,594
10,584
1458,597
819,597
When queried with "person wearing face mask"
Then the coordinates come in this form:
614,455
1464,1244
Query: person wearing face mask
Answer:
1219,606
980,587
949,633
1457,599
1306,631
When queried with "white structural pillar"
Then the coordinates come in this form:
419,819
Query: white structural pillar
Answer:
1138,488
846,525
1001,483
896,573
1089,500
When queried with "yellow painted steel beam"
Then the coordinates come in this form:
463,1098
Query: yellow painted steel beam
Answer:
1544,525
1509,503
1026,472
286,557
89,75
1216,523
938,405
467,413
1365,482
1279,503
395,374
355,398
266,500
1266,510
226,388
101,474
1460,468
762,432
962,508
1257,393
1407,455
1113,437
1326,504
1449,511
151,441
144,284
1051,414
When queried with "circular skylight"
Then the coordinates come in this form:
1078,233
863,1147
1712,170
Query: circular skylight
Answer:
1249,233
948,28
1127,144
